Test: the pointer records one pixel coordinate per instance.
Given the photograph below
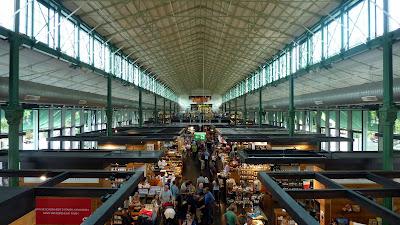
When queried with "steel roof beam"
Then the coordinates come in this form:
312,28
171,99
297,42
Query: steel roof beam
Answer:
297,212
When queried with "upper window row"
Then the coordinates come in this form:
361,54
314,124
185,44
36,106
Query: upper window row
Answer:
353,26
60,31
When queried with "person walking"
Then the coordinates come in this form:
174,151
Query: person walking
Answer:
215,188
209,202
230,215
166,196
174,190
189,220
206,159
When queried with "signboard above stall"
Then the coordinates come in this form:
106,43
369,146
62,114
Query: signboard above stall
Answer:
62,210
200,136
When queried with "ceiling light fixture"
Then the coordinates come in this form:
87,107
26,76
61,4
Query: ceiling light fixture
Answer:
370,98
318,102
32,98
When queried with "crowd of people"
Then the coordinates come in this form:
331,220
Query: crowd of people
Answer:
195,201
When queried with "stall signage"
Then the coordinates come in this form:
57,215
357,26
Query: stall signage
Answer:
62,210
200,136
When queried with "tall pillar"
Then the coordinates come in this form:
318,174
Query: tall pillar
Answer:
260,108
318,121
235,111
229,109
36,129
155,109
140,108
245,110
291,112
350,130
109,109
388,111
170,111
327,130
14,111
163,117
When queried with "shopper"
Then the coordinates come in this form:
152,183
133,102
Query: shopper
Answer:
230,215
200,189
201,179
166,196
174,190
209,202
181,210
189,220
206,182
194,150
215,188
191,189
183,187
206,161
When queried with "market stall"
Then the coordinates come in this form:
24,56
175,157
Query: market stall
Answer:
333,199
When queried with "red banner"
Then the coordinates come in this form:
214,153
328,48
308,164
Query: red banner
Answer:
62,210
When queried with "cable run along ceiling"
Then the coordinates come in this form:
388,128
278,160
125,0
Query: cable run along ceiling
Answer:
171,36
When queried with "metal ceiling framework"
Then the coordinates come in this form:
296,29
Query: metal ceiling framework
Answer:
16,202
172,36
286,198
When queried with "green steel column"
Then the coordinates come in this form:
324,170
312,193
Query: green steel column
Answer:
388,111
155,109
140,108
109,109
14,111
170,111
291,112
260,108
236,111
163,117
229,109
245,110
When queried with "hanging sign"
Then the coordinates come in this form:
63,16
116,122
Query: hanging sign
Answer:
62,210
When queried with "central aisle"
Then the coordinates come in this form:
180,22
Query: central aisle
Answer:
191,172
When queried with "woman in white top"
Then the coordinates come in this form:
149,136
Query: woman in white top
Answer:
215,189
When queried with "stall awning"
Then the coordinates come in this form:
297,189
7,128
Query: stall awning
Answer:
116,139
81,159
280,156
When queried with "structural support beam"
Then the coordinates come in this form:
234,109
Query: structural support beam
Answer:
236,112
170,110
140,108
260,108
155,109
229,109
14,111
388,112
245,110
389,216
291,112
109,109
105,211
163,117
297,212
